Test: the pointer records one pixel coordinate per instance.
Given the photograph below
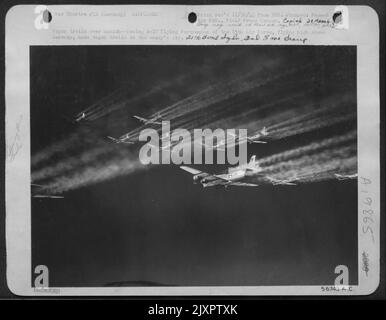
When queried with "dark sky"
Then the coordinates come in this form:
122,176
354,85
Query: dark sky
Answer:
155,225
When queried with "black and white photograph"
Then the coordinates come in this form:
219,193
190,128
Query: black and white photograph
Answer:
188,151
101,217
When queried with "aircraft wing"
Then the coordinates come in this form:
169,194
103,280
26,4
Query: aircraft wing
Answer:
113,139
191,170
140,118
276,182
242,184
47,196
210,176
157,122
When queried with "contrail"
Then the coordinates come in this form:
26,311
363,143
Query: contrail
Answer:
120,99
121,163
310,162
310,125
62,167
314,162
216,100
313,168
333,105
123,97
81,137
349,137
250,100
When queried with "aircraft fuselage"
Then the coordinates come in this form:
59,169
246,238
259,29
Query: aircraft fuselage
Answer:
223,179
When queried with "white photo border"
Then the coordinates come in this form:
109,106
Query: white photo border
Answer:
361,30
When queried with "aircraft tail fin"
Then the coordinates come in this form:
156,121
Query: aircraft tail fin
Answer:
264,131
253,165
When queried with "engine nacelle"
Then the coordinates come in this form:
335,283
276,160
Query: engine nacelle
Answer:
198,177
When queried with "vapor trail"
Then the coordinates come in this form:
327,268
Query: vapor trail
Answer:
349,137
271,94
121,163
